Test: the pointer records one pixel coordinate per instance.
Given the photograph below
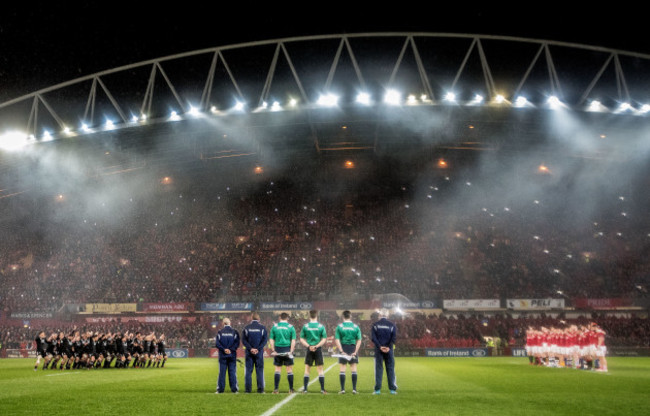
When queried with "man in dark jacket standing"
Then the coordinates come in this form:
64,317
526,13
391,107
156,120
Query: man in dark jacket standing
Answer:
227,343
254,338
384,334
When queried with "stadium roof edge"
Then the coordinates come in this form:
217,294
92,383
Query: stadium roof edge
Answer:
315,38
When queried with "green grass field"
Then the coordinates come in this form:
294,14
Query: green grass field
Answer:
439,386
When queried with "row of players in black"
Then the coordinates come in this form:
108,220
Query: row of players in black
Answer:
87,349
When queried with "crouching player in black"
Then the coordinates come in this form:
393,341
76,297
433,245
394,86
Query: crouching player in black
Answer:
65,349
123,356
161,354
41,350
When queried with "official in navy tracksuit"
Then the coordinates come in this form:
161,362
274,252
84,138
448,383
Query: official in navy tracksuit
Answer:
227,343
384,334
254,338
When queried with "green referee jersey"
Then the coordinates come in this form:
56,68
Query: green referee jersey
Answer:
348,333
282,333
313,333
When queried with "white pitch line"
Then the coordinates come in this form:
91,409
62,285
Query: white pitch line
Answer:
60,374
291,396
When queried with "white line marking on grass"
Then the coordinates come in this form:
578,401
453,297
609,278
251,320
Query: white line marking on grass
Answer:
291,396
60,374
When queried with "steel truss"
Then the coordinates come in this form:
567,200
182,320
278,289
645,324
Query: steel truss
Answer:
413,45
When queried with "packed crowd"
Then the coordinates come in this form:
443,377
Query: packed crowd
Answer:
281,241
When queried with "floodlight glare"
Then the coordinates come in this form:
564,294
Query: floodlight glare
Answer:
392,97
363,98
276,106
554,102
239,106
134,118
411,99
13,140
624,107
173,116
595,105
450,96
521,101
645,108
328,100
499,99
478,98
110,124
85,127
194,111
293,102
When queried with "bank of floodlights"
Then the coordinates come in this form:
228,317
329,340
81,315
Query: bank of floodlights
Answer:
393,97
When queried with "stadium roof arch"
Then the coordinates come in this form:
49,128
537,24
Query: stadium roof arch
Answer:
345,92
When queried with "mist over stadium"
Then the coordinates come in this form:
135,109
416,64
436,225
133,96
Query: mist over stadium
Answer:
432,174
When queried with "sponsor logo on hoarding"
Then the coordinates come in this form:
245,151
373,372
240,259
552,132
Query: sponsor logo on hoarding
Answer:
178,353
456,352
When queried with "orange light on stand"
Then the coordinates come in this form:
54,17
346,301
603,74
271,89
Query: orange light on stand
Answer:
442,163
258,170
166,180
543,169
349,164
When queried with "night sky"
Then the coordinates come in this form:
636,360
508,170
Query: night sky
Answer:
44,43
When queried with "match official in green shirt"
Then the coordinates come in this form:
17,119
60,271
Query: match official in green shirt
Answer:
282,341
313,336
348,341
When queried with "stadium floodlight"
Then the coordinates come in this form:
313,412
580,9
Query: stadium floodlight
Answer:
411,100
110,125
293,102
499,99
521,101
239,106
66,130
623,107
392,97
193,111
595,105
47,136
276,106
173,116
554,102
143,117
13,140
328,100
134,119
363,98
644,108
450,97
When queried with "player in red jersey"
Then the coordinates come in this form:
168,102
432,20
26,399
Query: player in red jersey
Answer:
601,349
